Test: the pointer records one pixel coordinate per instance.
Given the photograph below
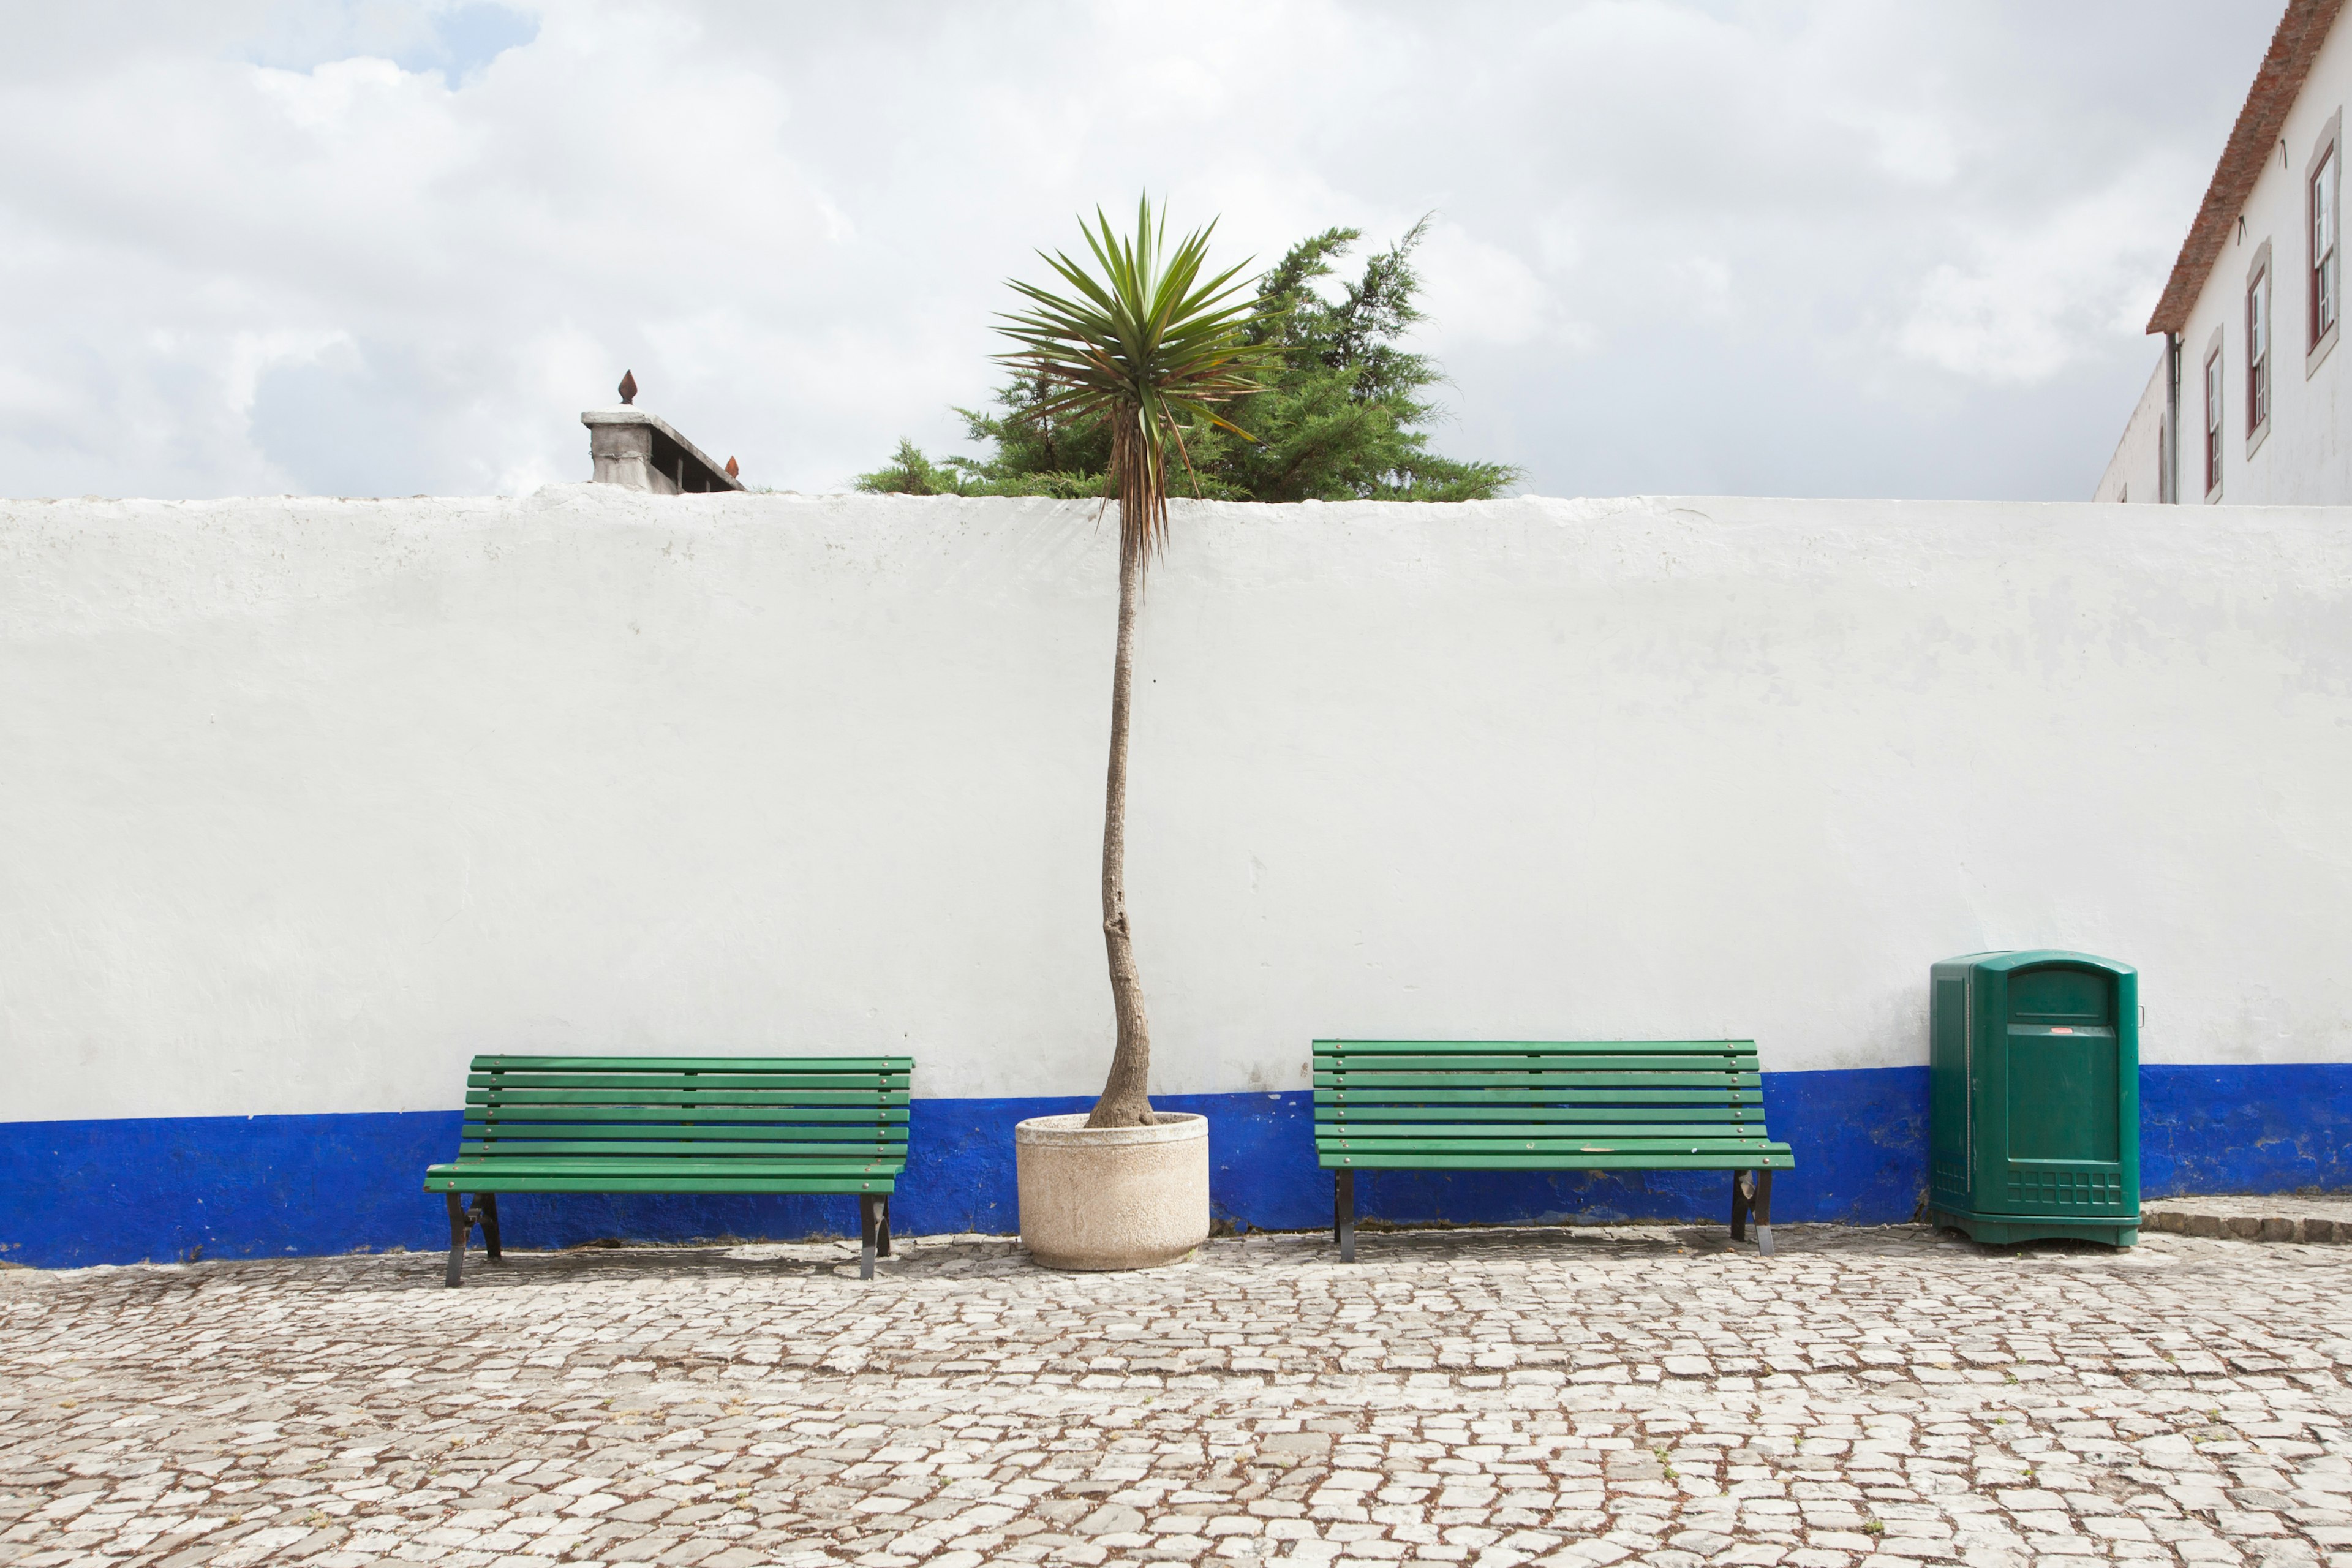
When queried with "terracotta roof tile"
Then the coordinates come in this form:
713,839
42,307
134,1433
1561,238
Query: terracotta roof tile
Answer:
2292,48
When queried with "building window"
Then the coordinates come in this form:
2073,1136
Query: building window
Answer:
2258,351
2324,271
2214,422
2323,279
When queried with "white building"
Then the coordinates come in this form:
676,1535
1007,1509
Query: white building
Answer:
2249,401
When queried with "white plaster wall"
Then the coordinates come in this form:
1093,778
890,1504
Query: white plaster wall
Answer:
2307,455
305,801
2135,472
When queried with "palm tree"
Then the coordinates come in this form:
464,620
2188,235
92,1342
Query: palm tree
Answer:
1153,349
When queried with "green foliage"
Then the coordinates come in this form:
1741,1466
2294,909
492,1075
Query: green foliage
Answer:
1146,347
1036,454
1339,409
912,474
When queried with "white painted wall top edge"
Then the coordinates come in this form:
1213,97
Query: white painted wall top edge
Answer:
556,495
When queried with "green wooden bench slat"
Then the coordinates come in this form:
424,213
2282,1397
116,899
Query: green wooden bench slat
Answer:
722,1132
833,1078
631,1165
668,1082
692,1074
1540,1066
1536,1066
660,1097
1527,1047
1770,1159
1670,1131
1567,1077
1347,1115
693,1064
1752,1094
1352,1081
1703,1145
502,1147
696,1115
1393,1133
601,1183
1560,1101
688,1089
653,1156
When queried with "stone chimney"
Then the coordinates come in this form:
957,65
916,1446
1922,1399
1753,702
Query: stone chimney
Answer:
640,451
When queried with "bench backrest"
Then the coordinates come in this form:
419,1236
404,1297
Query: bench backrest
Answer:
1622,1090
689,1107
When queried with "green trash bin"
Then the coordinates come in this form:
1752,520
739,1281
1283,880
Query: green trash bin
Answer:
2033,1097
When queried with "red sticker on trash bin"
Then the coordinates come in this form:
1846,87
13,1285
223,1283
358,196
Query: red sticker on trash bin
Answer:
2062,1028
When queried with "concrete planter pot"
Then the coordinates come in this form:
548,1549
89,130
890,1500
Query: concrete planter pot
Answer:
1112,1197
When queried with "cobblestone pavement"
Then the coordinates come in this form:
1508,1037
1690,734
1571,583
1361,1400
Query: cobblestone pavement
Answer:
1868,1399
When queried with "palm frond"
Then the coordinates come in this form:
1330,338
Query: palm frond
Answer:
1147,343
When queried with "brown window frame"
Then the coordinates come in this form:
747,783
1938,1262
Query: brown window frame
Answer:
2323,269
2262,329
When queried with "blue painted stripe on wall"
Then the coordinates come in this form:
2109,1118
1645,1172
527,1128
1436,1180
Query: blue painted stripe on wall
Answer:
2277,1127
77,1193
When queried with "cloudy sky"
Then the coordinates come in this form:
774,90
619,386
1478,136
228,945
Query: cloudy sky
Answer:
1845,247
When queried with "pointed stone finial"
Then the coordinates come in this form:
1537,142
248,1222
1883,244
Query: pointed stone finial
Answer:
732,471
628,386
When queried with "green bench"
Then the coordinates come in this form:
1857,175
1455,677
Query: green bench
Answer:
678,1124
1564,1105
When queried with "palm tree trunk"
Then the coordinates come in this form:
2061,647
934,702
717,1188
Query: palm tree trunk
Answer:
1124,1102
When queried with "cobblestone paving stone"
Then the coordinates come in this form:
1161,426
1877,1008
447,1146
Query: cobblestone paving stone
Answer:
1871,1398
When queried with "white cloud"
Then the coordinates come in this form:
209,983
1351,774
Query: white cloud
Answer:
253,355
1476,291
397,247
2034,300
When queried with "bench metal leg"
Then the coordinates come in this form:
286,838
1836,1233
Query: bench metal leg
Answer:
867,1223
489,1207
1343,1216
461,1224
1751,1197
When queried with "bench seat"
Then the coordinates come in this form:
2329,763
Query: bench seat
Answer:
677,1124
1545,1105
